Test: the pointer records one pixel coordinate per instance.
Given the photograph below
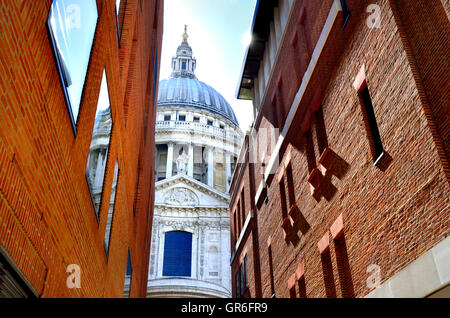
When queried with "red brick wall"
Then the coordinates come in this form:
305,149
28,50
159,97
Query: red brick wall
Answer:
47,220
425,33
393,212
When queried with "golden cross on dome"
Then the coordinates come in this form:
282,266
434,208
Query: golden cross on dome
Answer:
185,35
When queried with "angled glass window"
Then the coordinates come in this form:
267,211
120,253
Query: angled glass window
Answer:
72,26
177,254
129,268
127,285
117,7
112,201
98,152
117,19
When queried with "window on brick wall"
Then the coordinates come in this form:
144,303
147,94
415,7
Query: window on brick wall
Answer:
235,228
71,28
128,274
99,148
236,285
238,211
241,275
112,202
129,268
245,272
284,208
243,207
290,186
118,11
345,11
272,279
370,120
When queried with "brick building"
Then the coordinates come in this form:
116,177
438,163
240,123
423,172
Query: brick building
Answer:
79,81
342,185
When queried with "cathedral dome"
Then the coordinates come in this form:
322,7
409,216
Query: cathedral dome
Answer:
183,89
192,93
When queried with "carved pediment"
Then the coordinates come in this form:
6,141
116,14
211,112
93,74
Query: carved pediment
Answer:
181,197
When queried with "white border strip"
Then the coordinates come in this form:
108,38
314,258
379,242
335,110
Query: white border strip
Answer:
244,229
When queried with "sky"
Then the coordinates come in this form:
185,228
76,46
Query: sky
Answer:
218,34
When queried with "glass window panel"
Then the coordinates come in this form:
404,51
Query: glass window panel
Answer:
98,152
129,268
72,26
236,285
177,254
245,272
109,220
117,7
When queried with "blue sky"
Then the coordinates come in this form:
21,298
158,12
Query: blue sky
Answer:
217,30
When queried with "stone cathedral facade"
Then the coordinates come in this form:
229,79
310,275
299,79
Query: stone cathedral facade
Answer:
197,144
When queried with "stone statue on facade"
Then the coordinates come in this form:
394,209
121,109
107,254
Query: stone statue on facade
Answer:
182,162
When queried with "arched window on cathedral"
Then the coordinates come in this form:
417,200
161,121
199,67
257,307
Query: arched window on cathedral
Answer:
177,254
213,261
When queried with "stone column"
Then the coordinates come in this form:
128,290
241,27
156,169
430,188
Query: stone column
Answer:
211,166
228,170
191,161
169,165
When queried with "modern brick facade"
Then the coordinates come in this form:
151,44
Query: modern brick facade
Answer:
324,212
47,219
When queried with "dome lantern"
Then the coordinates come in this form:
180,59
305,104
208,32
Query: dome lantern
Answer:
183,64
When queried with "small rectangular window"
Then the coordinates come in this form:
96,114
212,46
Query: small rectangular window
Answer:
112,201
210,122
243,206
241,274
182,118
373,133
183,65
245,272
235,227
236,285
196,119
166,117
346,12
